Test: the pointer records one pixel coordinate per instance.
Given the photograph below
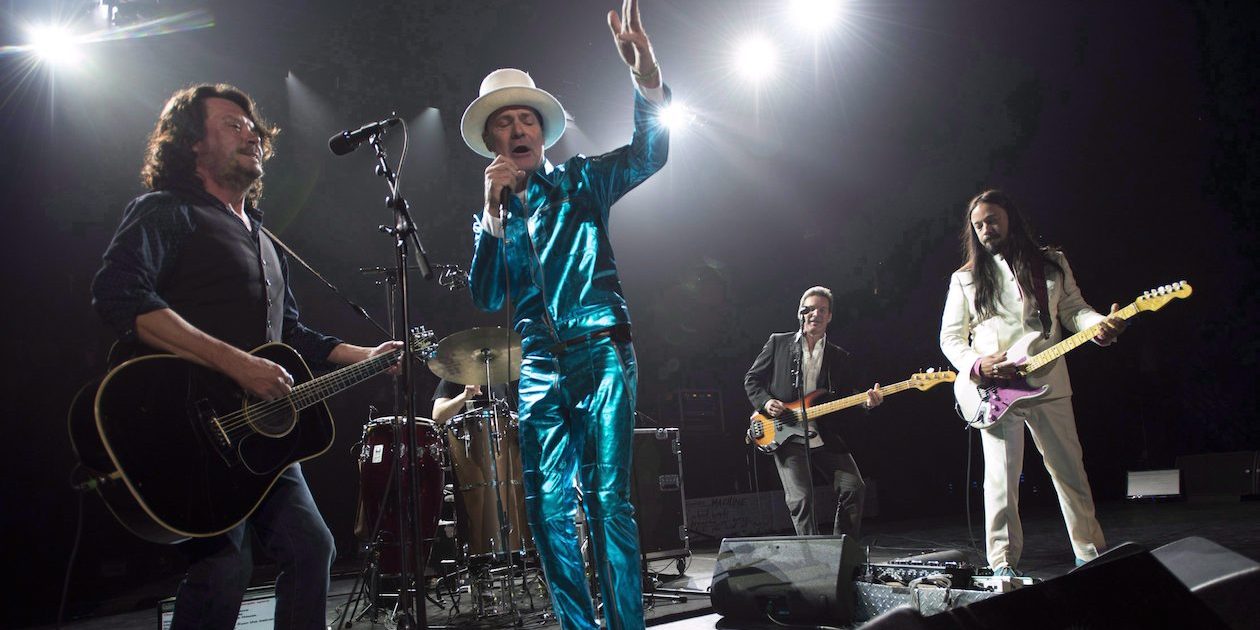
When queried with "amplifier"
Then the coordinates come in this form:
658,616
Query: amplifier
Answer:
904,572
657,493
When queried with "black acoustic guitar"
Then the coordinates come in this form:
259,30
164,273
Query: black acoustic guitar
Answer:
179,451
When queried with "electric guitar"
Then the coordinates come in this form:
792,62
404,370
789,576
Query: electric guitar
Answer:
178,450
985,403
769,433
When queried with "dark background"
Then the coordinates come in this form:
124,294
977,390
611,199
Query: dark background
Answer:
1126,130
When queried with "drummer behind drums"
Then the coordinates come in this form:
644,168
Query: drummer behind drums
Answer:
451,399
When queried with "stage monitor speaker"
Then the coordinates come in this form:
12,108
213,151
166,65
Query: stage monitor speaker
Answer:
1127,587
787,579
1227,582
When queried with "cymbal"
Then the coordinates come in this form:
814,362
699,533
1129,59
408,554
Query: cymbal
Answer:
462,357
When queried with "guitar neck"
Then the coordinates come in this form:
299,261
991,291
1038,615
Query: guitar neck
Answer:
318,389
1043,358
854,400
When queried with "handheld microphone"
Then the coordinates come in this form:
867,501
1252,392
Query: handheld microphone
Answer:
505,202
347,141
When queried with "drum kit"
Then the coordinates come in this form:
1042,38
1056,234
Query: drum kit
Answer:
475,539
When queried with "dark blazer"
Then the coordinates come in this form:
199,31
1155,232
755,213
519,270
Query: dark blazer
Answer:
771,377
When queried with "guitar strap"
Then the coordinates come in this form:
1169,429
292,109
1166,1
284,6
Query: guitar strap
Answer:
1043,300
355,307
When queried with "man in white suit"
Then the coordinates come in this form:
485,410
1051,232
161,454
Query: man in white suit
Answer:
1007,287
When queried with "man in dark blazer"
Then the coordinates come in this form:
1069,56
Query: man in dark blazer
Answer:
772,380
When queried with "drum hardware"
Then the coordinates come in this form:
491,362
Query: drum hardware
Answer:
490,571
380,519
485,458
485,356
452,277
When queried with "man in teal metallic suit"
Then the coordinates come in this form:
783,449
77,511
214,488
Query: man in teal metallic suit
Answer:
548,247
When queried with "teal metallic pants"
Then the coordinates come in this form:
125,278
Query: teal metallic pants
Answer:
577,422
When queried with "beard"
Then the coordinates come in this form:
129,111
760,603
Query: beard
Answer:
994,245
237,175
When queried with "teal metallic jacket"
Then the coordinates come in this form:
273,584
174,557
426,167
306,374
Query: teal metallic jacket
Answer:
562,272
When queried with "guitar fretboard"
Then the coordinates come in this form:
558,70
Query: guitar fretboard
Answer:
318,389
854,400
1043,358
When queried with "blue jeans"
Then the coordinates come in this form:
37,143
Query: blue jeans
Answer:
292,532
577,423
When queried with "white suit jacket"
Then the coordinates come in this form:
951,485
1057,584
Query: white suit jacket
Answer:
964,339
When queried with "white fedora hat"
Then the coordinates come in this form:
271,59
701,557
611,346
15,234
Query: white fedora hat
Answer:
504,87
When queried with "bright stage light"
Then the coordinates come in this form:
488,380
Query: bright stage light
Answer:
54,44
677,116
756,59
817,16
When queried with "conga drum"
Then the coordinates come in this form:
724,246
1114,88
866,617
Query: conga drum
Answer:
376,463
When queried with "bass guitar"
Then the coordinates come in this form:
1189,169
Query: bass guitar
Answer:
769,433
179,451
985,403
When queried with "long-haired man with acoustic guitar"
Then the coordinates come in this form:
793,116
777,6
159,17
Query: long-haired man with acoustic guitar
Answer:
190,272
1009,286
805,356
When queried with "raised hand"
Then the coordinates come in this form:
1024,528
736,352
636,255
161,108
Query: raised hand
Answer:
633,44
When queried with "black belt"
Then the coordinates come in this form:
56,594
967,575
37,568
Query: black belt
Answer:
618,332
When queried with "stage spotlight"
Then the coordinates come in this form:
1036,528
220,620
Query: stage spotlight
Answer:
756,59
54,44
677,116
816,16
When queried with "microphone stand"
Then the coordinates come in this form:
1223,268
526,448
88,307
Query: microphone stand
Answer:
411,611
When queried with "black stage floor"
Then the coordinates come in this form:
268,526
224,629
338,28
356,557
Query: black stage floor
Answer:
1047,555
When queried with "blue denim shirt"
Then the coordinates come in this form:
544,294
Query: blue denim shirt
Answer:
562,272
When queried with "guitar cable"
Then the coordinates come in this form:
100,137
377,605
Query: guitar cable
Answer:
971,537
74,548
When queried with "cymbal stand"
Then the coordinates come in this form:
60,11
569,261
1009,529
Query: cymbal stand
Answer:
496,434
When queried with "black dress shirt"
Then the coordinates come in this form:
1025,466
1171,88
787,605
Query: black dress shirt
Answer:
185,250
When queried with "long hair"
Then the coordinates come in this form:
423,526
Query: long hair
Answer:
169,161
1022,251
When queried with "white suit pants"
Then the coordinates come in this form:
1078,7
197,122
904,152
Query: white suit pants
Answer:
1053,429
